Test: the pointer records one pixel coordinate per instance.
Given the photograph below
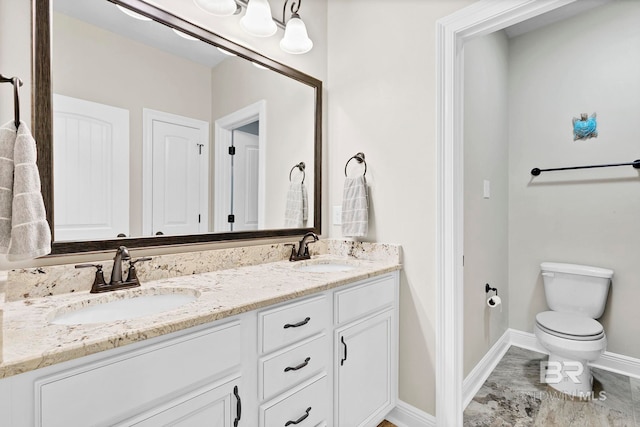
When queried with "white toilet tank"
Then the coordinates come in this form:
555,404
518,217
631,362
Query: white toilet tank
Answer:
579,289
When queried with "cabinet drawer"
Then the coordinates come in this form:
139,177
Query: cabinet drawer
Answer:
286,368
292,322
306,406
366,298
107,391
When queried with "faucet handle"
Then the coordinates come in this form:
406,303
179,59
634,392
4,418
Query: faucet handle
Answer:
98,281
132,275
97,266
293,251
140,259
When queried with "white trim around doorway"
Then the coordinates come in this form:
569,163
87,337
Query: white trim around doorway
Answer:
452,32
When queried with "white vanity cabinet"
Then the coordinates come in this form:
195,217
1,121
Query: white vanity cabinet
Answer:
366,352
193,379
324,360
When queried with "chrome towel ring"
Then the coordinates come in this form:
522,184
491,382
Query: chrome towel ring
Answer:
359,157
301,166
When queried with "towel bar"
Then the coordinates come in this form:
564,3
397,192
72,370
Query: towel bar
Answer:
359,157
537,171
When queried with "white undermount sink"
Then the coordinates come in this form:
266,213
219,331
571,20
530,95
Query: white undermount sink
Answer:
325,267
110,310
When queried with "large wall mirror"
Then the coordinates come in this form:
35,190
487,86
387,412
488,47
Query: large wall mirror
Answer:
157,132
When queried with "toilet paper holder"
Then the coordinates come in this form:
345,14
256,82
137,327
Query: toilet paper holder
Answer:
488,289
493,300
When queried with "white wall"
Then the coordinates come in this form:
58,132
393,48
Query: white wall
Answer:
382,90
486,146
590,63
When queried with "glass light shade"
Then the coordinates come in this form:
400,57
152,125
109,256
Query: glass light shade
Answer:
132,14
296,40
217,7
226,52
184,35
257,21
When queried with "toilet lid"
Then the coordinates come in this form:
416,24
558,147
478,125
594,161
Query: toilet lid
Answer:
572,325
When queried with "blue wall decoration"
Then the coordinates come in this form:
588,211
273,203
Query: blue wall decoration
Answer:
585,127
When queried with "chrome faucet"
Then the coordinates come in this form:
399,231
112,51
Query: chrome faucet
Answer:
116,282
303,247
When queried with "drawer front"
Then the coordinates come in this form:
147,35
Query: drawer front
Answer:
366,298
107,391
292,365
307,406
285,325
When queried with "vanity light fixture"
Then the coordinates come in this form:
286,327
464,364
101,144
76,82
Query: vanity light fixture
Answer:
259,22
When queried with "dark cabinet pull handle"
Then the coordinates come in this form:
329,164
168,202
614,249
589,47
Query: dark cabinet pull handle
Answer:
295,325
300,366
345,351
238,407
299,420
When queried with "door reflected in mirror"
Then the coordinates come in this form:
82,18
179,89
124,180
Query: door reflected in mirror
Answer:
155,133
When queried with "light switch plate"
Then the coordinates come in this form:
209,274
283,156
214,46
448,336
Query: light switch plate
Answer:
337,215
486,193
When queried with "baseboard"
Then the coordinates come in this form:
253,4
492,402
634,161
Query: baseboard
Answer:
619,364
525,340
405,415
609,361
483,369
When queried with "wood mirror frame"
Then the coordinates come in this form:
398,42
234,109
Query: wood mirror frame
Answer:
42,123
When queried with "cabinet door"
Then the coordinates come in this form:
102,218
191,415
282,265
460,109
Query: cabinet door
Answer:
364,375
216,405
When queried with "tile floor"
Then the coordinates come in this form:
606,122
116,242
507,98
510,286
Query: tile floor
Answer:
514,396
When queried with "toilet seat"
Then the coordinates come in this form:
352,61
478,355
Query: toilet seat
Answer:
569,326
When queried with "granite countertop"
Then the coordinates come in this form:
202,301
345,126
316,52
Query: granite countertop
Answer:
32,342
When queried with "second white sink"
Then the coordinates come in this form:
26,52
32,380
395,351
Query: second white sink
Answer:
122,309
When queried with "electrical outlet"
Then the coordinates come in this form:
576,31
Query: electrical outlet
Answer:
487,189
337,215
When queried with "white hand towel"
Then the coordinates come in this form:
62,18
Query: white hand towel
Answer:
296,212
7,142
355,207
30,235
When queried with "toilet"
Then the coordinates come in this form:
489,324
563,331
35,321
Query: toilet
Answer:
576,295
